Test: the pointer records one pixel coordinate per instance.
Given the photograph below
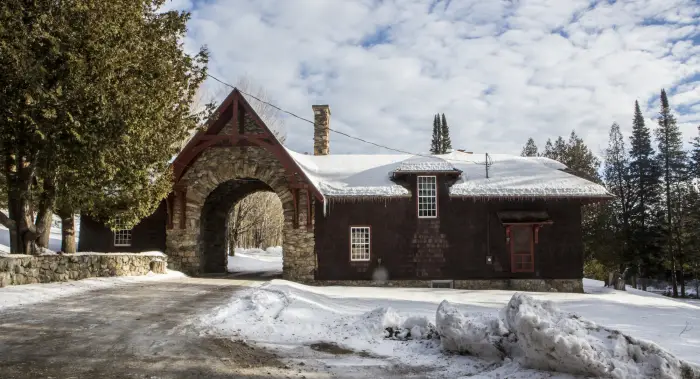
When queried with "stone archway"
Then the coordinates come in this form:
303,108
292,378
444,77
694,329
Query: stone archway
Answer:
215,173
232,149
214,220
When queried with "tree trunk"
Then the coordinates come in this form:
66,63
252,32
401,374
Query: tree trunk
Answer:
674,281
44,237
44,217
681,274
67,231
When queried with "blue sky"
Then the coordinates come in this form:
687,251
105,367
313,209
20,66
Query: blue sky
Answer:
501,71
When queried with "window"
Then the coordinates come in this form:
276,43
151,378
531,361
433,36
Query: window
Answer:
359,243
122,236
427,197
521,249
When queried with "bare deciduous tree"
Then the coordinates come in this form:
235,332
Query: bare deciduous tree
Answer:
256,221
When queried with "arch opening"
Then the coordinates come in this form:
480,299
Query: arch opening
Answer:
218,236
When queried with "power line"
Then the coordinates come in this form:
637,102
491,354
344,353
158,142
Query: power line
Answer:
338,131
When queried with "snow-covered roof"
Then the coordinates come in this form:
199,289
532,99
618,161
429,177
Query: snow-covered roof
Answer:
425,164
351,175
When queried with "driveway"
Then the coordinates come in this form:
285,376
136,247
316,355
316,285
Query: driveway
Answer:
132,331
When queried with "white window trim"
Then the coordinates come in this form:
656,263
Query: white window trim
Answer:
116,234
419,196
368,243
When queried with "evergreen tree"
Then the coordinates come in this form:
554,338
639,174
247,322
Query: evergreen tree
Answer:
672,158
436,142
548,149
445,141
96,95
617,180
644,196
530,149
694,163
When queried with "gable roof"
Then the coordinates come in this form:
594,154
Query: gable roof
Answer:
233,109
361,175
357,175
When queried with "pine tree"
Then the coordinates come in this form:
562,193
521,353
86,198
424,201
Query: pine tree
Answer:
694,163
530,149
96,96
436,142
548,149
672,159
644,196
445,141
617,180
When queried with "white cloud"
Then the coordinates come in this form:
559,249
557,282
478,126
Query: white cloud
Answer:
501,71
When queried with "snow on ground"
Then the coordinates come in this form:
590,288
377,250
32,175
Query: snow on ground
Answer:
263,262
13,296
290,316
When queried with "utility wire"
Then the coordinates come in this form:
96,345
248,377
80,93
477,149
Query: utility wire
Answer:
339,132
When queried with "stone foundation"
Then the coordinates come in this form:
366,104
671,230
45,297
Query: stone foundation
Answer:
28,269
528,285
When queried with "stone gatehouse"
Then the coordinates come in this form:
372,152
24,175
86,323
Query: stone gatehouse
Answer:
459,219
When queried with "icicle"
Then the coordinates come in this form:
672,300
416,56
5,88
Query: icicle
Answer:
325,206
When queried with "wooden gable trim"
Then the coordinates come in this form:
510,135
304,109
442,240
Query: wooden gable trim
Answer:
235,106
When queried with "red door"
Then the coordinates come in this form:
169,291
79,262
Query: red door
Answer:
522,257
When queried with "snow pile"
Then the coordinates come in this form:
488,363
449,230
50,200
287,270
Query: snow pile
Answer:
482,335
386,322
397,322
549,339
539,336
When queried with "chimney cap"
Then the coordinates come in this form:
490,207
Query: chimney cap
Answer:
321,107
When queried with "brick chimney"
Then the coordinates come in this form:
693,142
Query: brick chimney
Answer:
322,131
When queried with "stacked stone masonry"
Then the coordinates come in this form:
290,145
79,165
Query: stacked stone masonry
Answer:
28,269
218,165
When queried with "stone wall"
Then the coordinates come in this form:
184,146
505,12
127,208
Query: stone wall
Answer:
528,285
28,269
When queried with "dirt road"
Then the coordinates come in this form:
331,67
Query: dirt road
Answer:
131,331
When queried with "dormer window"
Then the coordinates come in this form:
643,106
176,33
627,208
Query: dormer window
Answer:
427,196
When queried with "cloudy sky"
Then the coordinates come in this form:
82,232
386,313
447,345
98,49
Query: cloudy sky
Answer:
501,71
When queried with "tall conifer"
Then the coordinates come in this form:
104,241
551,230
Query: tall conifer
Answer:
436,143
446,142
644,194
672,159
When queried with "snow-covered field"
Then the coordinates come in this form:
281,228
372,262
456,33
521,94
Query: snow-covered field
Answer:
256,261
292,317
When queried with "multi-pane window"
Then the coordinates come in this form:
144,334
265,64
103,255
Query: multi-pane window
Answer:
521,249
359,243
122,236
427,196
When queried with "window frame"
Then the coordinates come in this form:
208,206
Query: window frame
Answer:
368,228
531,230
418,196
121,234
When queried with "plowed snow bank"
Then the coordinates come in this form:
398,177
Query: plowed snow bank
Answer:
540,336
